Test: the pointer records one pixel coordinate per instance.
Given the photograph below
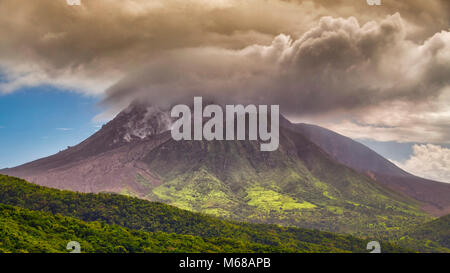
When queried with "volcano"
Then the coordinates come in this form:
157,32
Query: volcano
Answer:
303,183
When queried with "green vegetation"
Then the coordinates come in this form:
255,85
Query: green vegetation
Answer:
23,230
297,185
45,219
433,236
271,200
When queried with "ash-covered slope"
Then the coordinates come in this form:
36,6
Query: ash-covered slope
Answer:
435,196
299,184
106,161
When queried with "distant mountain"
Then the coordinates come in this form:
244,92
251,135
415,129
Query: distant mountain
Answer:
39,219
434,196
300,184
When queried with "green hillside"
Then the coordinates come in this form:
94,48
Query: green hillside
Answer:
433,236
297,185
23,230
104,213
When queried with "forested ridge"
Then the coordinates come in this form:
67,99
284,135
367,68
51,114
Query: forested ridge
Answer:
115,223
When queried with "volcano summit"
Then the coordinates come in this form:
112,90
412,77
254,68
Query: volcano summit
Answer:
257,122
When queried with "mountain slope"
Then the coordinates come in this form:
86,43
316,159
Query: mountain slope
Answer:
41,218
433,236
105,161
297,185
434,196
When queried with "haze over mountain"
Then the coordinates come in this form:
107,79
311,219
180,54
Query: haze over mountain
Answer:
435,196
300,184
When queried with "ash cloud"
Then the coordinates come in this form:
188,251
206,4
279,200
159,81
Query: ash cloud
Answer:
336,61
89,48
338,64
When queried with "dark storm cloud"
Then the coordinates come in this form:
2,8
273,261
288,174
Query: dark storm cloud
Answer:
337,64
353,60
90,47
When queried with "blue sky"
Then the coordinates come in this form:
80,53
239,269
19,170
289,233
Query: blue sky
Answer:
390,149
37,122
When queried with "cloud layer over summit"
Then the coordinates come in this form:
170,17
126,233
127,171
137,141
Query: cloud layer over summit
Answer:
379,72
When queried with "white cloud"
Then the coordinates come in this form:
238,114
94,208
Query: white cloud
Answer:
429,161
64,129
19,76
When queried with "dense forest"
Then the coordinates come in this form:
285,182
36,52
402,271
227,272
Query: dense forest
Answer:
433,236
22,230
36,219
